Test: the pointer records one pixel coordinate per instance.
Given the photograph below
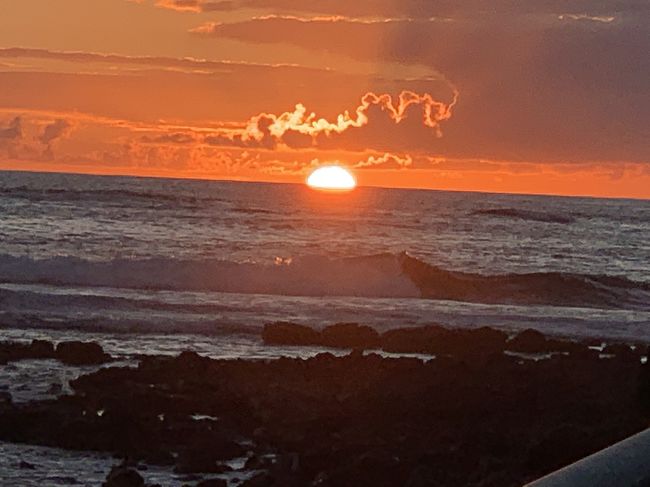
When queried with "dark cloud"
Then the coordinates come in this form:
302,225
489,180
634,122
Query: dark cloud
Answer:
417,8
58,128
13,131
154,61
198,5
171,138
551,87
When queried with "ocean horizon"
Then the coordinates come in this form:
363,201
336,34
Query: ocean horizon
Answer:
216,257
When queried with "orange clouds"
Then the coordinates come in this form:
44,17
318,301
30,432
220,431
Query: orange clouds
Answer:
409,93
197,5
268,130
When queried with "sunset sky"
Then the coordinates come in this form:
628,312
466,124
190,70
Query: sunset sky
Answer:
534,96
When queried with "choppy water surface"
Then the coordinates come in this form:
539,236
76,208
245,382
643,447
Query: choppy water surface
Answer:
134,255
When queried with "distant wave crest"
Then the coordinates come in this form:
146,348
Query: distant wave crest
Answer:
108,195
529,215
383,275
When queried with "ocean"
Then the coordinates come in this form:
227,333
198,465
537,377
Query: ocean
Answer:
159,266
167,264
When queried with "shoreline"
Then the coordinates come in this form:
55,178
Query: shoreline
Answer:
475,414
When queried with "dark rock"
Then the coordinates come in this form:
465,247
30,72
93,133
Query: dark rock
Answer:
121,476
41,349
5,397
436,340
260,480
567,346
349,335
284,333
622,351
559,447
484,340
413,340
81,353
488,419
258,463
208,458
528,341
190,360
37,349
533,341
23,465
212,483
643,387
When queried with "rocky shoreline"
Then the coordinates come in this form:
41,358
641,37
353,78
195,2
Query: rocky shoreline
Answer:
486,408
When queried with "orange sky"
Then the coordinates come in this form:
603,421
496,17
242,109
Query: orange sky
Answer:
534,97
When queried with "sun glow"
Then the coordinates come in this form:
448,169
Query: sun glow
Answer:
332,178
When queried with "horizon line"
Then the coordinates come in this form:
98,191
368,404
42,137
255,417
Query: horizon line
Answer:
361,186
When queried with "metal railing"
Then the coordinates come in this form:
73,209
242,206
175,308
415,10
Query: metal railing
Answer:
624,464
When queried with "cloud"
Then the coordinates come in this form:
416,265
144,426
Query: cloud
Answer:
413,8
117,147
12,131
214,92
197,5
188,63
51,132
606,19
57,129
170,138
544,85
385,161
302,128
11,135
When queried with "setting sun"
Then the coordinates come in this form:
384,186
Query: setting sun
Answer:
332,178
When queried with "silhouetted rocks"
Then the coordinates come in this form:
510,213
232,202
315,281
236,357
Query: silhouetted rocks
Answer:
412,340
70,353
41,349
208,458
437,340
260,480
622,351
534,342
123,476
283,333
528,341
432,339
212,483
349,335
81,353
37,349
472,415
340,335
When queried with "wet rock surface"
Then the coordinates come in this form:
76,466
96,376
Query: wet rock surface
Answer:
70,353
81,353
37,349
123,476
472,416
431,339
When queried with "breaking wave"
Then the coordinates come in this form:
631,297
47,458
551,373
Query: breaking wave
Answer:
383,275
